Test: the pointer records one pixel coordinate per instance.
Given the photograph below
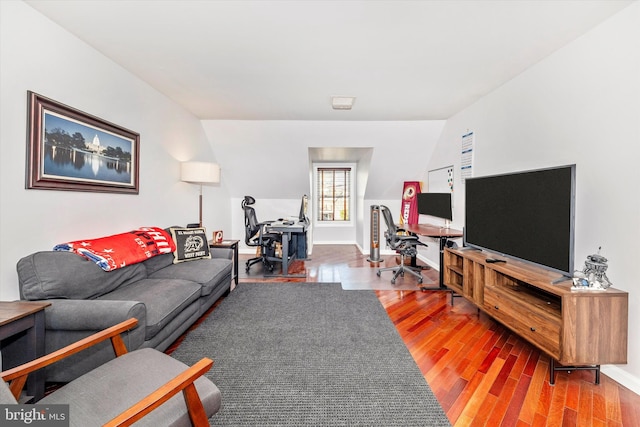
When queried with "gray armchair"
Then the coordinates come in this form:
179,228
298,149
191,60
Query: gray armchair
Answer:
144,386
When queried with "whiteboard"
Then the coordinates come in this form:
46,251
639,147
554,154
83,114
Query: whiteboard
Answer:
440,180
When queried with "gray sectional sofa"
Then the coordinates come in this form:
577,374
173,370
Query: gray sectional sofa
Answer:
166,298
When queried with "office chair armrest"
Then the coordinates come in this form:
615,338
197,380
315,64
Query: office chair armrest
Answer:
408,233
407,238
413,240
263,225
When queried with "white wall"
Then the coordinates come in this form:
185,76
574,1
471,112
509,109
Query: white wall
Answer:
580,105
270,161
38,55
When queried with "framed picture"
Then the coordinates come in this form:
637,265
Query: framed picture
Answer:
68,149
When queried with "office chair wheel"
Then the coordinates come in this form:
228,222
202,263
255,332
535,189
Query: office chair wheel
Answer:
420,281
378,273
393,281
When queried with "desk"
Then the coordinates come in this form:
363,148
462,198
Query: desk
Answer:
22,339
233,245
441,233
290,232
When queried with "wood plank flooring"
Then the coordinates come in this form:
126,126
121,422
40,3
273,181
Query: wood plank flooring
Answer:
481,373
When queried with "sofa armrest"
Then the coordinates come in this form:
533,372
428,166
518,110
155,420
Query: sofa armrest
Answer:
92,315
224,253
18,375
69,320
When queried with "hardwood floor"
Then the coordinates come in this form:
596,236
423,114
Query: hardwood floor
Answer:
481,373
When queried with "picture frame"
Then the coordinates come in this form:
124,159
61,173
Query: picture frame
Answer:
68,149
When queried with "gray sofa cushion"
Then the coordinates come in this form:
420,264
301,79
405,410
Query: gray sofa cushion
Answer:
164,299
156,263
54,274
110,389
206,272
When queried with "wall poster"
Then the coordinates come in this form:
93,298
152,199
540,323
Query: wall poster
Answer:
466,160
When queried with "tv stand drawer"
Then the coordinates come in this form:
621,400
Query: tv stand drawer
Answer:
542,330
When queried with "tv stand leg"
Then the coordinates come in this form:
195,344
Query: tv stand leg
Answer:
553,369
453,295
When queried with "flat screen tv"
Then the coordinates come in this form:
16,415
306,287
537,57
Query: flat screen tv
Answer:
527,215
435,204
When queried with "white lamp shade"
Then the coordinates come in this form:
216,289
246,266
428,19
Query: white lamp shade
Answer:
200,172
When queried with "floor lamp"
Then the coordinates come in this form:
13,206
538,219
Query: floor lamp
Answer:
200,173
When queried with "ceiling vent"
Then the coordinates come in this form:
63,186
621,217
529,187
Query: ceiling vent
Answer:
342,102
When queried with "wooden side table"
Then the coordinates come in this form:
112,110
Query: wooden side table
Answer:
22,339
233,245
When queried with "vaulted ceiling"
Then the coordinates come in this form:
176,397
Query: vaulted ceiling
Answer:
261,74
283,60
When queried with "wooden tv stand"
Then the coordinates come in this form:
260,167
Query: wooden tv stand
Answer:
579,329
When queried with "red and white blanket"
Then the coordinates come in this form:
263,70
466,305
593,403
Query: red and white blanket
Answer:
124,249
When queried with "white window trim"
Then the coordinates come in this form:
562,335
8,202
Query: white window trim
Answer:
352,199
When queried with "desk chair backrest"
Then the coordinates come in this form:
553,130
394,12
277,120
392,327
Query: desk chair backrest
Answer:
392,230
251,223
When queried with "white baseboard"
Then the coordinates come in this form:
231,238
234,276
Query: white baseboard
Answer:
432,264
622,377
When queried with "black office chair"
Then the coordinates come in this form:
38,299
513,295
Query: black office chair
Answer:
255,236
404,244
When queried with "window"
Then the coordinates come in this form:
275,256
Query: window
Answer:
334,194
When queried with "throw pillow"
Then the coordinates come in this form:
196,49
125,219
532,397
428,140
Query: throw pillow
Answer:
191,244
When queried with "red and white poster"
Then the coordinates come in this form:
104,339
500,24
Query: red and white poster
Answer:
409,214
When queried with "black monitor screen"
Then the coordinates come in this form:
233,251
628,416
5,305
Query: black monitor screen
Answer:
528,215
302,215
435,204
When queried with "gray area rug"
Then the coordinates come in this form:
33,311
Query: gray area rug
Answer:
310,354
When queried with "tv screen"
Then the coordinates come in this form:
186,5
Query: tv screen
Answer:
435,204
527,215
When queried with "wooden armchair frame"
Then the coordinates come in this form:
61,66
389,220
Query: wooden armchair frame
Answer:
184,382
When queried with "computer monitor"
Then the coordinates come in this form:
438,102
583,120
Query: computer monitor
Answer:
302,216
435,204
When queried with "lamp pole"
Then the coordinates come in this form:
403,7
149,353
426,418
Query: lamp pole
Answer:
200,173
200,205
